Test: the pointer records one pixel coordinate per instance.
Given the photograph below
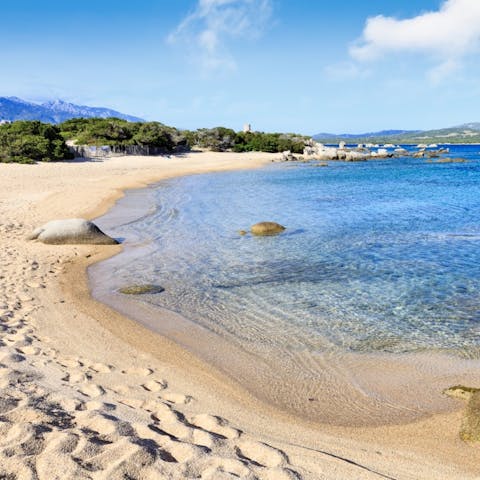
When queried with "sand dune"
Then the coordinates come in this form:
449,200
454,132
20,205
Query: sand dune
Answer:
86,394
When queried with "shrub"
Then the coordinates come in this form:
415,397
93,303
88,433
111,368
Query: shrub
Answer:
31,141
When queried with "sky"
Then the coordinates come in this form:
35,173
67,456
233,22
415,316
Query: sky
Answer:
305,66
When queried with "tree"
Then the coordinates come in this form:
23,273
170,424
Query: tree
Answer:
31,141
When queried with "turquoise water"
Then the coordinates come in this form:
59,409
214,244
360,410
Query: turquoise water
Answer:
380,256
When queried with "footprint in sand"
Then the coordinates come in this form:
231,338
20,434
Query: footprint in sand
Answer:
184,452
7,357
174,429
163,413
18,338
15,434
178,398
141,372
261,454
101,368
68,404
218,466
214,424
124,390
76,376
97,405
29,350
69,362
155,385
204,439
92,390
134,403
56,461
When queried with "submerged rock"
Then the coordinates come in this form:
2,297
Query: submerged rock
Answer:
470,429
461,391
451,160
141,289
266,228
71,231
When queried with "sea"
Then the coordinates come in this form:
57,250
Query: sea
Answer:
380,261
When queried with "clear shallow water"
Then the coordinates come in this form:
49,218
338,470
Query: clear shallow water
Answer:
381,256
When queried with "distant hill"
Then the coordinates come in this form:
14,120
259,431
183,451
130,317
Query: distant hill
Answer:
383,133
466,133
56,111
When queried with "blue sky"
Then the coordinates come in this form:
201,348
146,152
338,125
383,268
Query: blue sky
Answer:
304,66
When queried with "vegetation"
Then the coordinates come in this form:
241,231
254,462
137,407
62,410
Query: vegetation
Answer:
220,139
269,142
31,141
116,132
217,139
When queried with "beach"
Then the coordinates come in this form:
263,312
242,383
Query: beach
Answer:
88,393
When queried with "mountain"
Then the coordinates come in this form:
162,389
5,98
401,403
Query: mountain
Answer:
466,133
56,111
382,133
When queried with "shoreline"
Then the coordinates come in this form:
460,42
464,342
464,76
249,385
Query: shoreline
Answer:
365,395
311,450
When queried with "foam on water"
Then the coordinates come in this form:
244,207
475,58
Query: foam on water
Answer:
382,256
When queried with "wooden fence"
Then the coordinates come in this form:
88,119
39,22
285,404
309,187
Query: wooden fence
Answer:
92,151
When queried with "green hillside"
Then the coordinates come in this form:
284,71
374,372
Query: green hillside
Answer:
467,133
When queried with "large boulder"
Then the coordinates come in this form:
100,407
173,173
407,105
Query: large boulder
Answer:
71,231
266,228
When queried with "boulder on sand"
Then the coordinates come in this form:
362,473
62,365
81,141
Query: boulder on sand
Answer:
71,231
266,228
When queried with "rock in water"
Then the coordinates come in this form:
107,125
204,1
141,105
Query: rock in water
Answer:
71,231
266,228
141,289
470,430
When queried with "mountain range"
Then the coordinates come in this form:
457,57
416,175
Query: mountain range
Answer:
466,133
55,111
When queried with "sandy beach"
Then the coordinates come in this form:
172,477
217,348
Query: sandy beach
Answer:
89,394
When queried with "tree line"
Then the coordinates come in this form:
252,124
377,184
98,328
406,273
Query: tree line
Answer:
32,141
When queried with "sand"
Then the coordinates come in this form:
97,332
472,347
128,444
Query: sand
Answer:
87,393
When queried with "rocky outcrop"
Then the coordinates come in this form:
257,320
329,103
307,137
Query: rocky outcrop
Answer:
382,153
318,151
354,156
71,231
288,156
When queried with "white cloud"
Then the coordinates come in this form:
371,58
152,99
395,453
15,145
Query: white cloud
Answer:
210,28
446,35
